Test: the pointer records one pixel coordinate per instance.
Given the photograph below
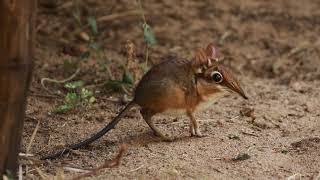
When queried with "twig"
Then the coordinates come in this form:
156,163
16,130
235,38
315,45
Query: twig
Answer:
76,170
20,172
108,164
44,95
142,12
41,174
65,5
32,137
109,18
296,50
250,134
59,81
25,155
300,48
118,16
136,169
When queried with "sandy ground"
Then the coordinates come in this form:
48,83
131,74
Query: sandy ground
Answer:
272,46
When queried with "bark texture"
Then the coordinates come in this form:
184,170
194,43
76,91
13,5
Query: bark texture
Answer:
16,47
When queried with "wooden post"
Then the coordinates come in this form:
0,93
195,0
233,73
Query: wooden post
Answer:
16,46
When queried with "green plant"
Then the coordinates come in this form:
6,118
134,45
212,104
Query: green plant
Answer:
76,97
148,34
93,25
127,81
124,85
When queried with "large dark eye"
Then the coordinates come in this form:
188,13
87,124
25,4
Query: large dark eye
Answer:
216,76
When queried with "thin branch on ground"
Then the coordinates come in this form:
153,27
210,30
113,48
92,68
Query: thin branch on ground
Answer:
108,164
26,155
114,16
72,169
59,81
136,169
43,95
40,172
32,137
20,172
111,17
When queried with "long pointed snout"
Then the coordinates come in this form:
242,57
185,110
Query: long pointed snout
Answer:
237,88
231,82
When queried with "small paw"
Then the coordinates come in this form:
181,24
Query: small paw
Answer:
167,139
197,133
192,131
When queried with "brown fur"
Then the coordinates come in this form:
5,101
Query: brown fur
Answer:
174,85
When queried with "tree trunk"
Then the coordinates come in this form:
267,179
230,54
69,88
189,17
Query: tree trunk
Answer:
16,46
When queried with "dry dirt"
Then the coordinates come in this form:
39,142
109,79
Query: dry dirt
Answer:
272,45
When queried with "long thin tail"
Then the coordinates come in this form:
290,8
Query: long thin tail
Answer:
94,137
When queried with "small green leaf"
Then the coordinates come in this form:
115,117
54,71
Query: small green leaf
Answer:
148,35
93,25
85,93
71,98
74,85
92,100
127,78
62,109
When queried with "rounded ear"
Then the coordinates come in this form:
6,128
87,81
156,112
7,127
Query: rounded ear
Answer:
211,51
203,58
200,61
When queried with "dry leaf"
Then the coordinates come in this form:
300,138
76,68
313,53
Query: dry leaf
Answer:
84,36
